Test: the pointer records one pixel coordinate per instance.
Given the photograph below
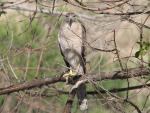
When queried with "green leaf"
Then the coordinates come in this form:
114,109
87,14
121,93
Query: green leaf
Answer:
137,54
2,12
146,45
149,64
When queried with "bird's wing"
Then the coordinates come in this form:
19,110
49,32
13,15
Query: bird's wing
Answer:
66,62
71,45
83,54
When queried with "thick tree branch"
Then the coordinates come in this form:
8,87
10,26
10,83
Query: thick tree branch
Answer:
130,73
127,73
30,84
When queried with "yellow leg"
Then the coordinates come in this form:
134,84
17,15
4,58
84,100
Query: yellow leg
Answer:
70,74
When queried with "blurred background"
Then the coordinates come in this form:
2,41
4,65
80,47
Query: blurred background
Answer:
29,49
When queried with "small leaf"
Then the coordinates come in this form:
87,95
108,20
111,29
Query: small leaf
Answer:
2,12
137,54
149,64
146,45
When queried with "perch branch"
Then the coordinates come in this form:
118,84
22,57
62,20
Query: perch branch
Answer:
130,73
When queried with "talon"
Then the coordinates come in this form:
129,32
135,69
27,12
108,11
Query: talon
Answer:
72,73
68,75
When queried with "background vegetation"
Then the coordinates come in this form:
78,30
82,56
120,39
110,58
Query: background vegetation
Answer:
29,50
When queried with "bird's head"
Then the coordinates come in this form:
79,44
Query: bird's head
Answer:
70,18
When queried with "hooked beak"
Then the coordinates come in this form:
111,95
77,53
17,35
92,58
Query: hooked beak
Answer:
70,22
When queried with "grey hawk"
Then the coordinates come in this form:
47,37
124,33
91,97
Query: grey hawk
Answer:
71,42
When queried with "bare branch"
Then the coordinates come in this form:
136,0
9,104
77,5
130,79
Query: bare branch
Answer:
29,85
94,92
68,106
135,106
127,73
132,72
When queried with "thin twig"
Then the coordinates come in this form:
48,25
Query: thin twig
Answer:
117,52
135,106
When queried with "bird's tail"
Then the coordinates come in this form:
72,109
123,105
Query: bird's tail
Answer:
81,95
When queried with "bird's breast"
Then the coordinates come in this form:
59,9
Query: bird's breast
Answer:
71,36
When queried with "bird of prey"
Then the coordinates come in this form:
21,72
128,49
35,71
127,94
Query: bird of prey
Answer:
71,42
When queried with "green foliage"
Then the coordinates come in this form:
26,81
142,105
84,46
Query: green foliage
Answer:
29,33
2,12
4,38
17,38
149,61
1,100
33,34
144,47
